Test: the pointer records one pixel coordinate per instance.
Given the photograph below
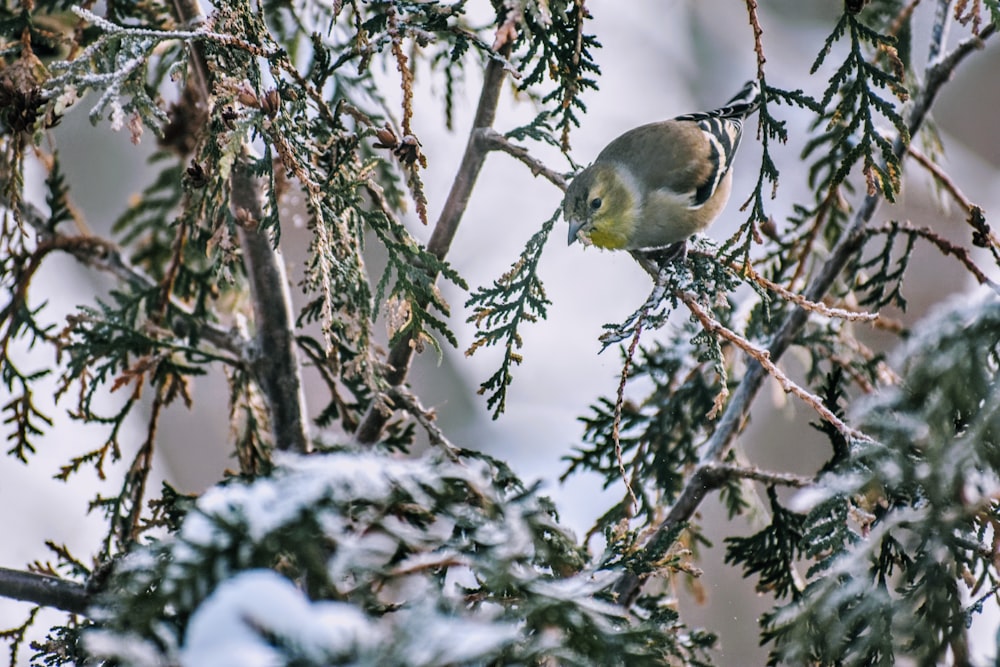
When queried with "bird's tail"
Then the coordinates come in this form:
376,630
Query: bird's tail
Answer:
740,106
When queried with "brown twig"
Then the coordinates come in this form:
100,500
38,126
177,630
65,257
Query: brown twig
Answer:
945,246
619,402
495,141
831,199
902,19
727,471
426,418
941,177
758,33
763,358
812,306
103,255
973,212
139,471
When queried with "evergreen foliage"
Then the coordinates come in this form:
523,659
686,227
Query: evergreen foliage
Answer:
370,552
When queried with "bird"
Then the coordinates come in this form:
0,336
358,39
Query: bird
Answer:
656,185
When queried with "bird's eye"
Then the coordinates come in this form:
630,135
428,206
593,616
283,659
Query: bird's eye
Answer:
595,203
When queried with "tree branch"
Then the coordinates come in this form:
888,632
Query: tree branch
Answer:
497,142
401,355
44,590
274,360
426,418
727,471
763,358
730,424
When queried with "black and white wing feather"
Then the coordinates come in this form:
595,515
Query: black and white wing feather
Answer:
722,128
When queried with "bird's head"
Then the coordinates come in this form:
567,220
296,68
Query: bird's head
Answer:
600,207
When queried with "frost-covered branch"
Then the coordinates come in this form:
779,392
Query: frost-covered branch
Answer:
763,358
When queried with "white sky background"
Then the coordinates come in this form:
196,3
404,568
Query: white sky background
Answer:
660,59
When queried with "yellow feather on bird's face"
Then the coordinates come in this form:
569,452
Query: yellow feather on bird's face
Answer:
601,207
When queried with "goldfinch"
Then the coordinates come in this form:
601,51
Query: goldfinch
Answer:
657,184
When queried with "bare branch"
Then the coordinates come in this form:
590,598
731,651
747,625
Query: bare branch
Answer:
44,590
758,32
727,471
275,362
941,177
619,402
982,236
495,141
401,355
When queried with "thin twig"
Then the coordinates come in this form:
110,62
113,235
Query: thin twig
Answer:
426,418
728,471
812,306
763,358
946,247
902,19
103,255
758,33
832,199
972,211
941,177
493,140
619,402
137,478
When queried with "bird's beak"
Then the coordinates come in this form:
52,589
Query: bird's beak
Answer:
574,229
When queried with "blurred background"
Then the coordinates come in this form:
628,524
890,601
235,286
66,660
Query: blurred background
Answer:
659,59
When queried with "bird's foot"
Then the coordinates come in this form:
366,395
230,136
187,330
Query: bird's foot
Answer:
654,260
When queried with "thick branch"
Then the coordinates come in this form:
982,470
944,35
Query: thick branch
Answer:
275,362
43,590
730,424
401,355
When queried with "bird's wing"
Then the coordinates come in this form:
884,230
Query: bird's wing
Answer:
722,129
688,157
722,137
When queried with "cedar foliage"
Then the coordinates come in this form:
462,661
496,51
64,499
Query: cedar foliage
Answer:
387,555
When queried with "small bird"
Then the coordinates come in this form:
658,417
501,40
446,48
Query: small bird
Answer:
656,185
